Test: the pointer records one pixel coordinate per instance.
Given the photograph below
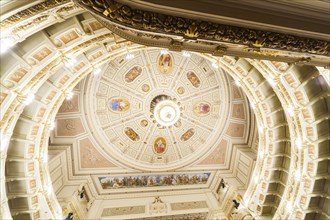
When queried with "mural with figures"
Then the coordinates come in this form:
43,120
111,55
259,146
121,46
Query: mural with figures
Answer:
118,104
165,63
115,182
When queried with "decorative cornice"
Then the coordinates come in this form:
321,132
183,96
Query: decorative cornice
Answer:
124,16
31,11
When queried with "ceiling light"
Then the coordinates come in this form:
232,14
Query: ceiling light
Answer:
129,56
69,61
253,106
297,175
52,125
5,44
45,158
69,95
97,71
238,83
271,81
256,179
289,207
186,54
215,65
261,130
29,98
164,51
290,111
261,154
49,189
4,142
298,143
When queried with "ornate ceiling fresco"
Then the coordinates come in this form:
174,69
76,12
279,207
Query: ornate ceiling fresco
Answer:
166,133
158,109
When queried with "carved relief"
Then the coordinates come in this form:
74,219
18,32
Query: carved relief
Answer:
131,134
158,206
42,54
218,155
96,55
188,205
69,36
238,111
165,63
193,79
90,157
191,29
201,109
159,145
119,104
128,210
18,74
133,74
71,105
95,25
235,130
188,134
69,127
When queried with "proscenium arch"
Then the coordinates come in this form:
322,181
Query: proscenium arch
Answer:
12,109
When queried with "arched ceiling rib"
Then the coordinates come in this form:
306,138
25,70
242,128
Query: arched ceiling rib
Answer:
291,103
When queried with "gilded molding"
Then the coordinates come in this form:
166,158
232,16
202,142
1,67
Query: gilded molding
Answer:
189,29
29,12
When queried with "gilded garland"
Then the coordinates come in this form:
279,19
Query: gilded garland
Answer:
196,29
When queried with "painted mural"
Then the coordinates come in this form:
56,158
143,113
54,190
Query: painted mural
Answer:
165,63
131,134
201,108
188,134
117,182
193,79
132,74
118,104
160,145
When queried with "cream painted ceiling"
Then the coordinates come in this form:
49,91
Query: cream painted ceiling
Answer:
290,101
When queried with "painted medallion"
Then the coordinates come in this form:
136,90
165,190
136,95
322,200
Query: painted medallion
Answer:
160,145
201,109
180,90
165,63
118,104
188,134
145,88
132,74
144,123
131,134
193,79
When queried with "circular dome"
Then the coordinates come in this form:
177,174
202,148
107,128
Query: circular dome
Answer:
158,111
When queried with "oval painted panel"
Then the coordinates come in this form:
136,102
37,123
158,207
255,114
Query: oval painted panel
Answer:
165,63
132,134
193,79
201,108
118,104
160,145
188,134
132,74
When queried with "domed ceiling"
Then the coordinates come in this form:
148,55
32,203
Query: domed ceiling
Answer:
159,109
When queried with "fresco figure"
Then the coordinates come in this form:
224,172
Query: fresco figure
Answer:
165,63
193,79
159,145
117,182
188,134
132,74
119,104
201,108
131,134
